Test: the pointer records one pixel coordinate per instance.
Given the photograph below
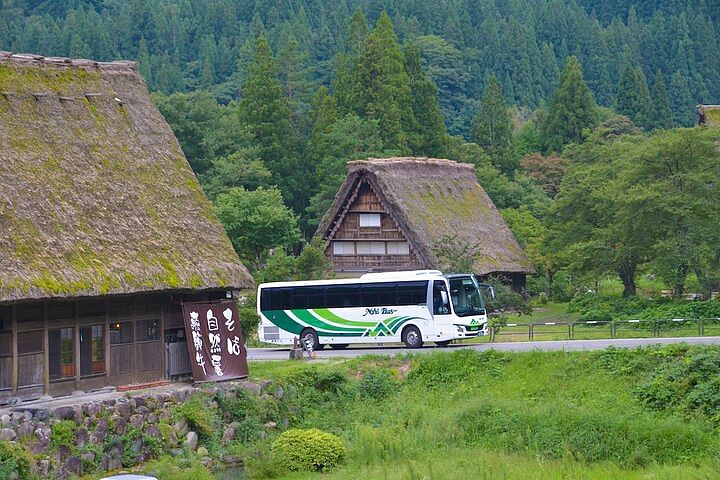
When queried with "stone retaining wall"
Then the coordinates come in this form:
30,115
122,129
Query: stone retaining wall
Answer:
102,423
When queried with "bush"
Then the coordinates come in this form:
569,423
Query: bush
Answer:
506,299
601,307
309,450
200,414
378,383
14,458
62,434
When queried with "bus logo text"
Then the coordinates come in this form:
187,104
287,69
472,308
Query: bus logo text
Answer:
379,311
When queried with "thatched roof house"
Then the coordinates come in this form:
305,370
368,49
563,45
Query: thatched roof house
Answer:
390,213
100,212
707,115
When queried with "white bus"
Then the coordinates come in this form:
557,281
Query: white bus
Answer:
412,307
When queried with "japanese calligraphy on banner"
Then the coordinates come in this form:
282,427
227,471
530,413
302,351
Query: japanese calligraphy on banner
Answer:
215,342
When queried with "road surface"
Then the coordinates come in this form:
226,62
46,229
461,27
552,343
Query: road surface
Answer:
256,354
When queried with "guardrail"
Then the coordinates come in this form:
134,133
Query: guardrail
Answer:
600,329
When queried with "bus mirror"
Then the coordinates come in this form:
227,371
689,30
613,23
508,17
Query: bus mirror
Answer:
492,291
444,296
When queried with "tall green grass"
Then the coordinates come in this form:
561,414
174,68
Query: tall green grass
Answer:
495,415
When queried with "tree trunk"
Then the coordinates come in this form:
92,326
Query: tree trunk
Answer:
550,275
682,272
626,271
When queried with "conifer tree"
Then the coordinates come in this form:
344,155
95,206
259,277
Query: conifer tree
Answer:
430,138
264,111
382,88
633,97
661,114
492,128
571,111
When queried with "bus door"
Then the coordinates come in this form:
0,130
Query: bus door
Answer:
442,314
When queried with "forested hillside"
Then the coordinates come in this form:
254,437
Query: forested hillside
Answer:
206,44
571,112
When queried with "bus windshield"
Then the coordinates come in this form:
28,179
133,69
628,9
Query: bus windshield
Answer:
466,297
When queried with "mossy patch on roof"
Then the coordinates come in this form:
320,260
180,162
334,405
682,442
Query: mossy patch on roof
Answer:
97,195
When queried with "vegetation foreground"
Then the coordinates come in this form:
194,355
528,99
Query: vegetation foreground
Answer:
644,413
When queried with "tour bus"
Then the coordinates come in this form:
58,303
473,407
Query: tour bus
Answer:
412,307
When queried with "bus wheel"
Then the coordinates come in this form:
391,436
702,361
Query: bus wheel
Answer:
339,346
310,336
443,344
412,338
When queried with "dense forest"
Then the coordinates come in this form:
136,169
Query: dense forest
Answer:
571,111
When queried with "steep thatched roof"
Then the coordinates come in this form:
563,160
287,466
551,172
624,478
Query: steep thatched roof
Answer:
712,114
431,199
97,197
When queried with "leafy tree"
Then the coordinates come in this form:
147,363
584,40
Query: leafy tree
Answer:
572,111
675,175
492,128
548,171
592,230
256,222
312,264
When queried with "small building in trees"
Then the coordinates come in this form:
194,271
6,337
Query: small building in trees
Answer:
105,231
707,115
417,213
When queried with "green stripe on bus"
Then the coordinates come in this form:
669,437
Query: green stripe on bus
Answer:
285,322
331,317
313,321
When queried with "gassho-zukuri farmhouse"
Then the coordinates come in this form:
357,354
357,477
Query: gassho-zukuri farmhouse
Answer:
390,214
105,231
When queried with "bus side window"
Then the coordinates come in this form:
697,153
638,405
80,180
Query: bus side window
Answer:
342,296
441,302
412,293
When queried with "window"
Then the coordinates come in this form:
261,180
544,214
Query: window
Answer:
342,296
370,248
378,294
441,300
61,347
275,298
343,248
147,330
412,293
370,220
398,248
92,350
308,297
121,333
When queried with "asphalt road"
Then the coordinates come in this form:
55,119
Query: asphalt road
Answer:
256,354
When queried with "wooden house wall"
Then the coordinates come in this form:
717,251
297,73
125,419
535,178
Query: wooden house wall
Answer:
97,358
364,200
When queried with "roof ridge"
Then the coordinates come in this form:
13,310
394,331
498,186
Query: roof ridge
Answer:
440,162
32,59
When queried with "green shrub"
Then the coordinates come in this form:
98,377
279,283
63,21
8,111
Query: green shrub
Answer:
601,307
309,450
178,468
322,380
506,299
686,380
378,383
200,414
62,434
14,458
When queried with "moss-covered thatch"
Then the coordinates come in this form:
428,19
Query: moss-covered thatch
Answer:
712,114
97,197
431,199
